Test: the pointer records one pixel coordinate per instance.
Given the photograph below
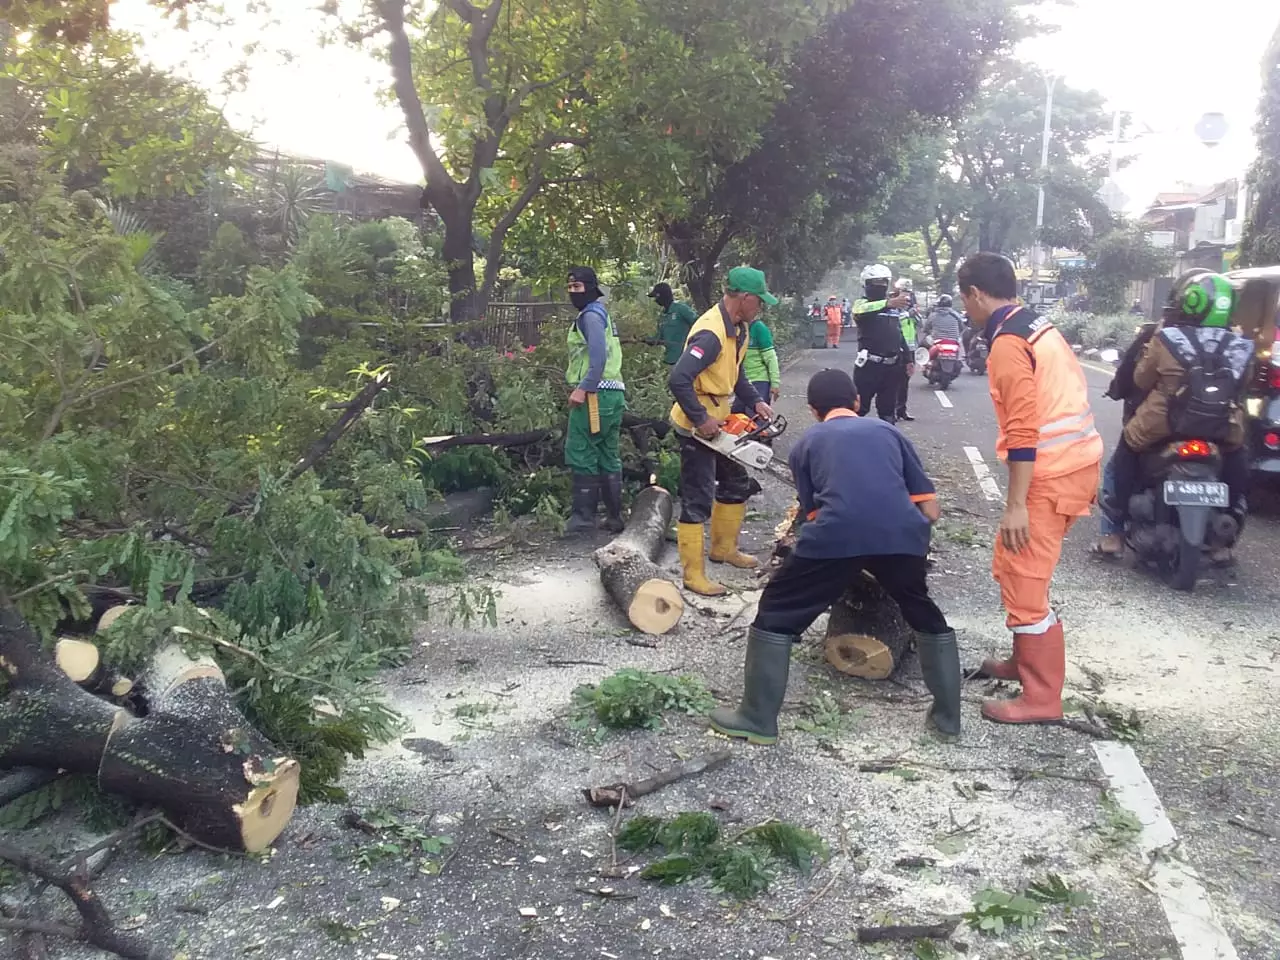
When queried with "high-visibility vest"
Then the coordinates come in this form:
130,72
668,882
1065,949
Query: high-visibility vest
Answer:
1069,439
714,385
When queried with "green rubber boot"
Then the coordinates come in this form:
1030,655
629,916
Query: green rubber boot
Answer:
940,665
586,500
764,686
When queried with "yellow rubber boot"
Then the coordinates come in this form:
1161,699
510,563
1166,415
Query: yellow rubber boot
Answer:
726,524
689,537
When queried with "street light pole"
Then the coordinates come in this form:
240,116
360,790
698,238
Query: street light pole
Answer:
1050,82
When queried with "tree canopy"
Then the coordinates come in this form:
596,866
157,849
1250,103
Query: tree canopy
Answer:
1260,245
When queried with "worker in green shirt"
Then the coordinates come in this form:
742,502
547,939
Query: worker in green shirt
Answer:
760,365
675,322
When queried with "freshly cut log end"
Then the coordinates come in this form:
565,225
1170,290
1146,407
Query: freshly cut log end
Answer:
656,607
866,634
111,616
78,659
651,602
121,687
269,805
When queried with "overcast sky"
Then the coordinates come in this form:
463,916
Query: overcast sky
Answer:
1165,61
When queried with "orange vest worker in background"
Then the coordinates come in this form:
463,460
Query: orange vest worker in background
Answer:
833,322
1053,451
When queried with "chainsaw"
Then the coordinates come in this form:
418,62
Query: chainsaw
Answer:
741,439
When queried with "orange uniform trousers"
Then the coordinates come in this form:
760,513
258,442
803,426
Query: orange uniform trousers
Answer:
1053,506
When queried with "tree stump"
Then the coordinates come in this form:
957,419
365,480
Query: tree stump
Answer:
193,754
651,602
866,635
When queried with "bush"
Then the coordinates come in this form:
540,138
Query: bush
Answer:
1097,331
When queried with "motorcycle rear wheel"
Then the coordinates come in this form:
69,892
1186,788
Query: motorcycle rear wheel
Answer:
1187,570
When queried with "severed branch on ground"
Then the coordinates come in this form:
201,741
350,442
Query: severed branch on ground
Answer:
96,927
625,794
934,931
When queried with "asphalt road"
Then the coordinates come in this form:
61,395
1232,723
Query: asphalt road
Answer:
1202,671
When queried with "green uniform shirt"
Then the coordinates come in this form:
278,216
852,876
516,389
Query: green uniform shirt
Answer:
761,360
673,329
909,330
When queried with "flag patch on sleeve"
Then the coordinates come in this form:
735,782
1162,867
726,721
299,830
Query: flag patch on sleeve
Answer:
696,351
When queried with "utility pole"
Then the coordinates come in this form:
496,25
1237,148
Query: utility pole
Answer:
1050,82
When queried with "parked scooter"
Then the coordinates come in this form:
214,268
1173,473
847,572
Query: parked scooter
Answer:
1181,510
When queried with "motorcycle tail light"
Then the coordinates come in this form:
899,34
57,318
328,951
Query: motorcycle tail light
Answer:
1272,440
1273,381
1193,449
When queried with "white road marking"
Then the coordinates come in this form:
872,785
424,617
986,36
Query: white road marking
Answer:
943,399
1185,901
990,489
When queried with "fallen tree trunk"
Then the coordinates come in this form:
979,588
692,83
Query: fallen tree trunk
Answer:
933,931
651,602
193,754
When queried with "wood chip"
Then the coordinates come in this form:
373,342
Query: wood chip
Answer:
275,903
389,903
528,911
645,924
539,859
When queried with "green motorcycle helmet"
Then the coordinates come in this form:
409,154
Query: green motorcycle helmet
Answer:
1204,299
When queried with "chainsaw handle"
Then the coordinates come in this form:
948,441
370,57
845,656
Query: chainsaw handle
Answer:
770,429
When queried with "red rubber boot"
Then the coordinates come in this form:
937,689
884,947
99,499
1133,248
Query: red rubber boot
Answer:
1042,667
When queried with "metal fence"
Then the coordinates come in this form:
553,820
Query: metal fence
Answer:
518,323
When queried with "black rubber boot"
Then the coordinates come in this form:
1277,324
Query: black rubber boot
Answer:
586,497
764,687
940,665
611,493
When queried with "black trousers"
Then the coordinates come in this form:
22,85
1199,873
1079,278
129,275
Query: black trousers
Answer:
802,589
877,383
904,388
1128,466
705,477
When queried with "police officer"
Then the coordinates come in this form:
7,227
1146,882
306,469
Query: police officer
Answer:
596,406
910,340
880,343
704,381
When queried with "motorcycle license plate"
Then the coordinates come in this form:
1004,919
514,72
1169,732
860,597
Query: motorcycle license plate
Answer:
1195,493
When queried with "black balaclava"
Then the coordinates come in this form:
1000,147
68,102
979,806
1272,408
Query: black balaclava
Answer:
877,290
587,277
662,295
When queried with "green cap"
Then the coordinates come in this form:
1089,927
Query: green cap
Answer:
750,280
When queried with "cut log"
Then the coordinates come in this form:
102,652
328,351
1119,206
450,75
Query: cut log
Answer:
866,635
193,754
651,602
78,659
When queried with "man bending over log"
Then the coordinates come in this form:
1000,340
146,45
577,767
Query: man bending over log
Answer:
868,506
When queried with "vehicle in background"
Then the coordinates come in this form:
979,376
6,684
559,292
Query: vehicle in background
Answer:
1257,303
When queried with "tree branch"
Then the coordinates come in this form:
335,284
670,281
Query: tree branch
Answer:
358,405
497,238
415,118
523,93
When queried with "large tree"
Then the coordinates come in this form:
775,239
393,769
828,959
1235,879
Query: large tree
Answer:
858,90
503,101
1261,242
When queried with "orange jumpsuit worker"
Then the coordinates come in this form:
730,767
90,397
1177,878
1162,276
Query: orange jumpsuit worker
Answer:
1053,450
834,320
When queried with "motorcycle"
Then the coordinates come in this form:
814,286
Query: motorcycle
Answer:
1263,407
1181,510
941,363
977,356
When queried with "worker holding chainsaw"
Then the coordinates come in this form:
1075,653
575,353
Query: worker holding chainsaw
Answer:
1052,447
704,381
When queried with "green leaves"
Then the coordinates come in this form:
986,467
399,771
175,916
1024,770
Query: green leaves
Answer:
636,699
742,866
994,910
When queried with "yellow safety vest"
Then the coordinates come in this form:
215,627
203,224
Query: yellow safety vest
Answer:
714,385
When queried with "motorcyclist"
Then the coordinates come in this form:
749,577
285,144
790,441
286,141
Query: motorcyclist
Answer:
943,323
1197,322
878,317
846,312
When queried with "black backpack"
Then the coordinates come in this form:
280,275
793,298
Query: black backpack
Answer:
1201,409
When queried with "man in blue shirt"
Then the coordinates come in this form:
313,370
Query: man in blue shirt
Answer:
868,506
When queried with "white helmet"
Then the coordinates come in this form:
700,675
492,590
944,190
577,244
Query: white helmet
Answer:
903,284
876,271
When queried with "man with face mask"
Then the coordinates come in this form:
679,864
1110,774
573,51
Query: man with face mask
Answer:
704,381
880,343
596,406
674,323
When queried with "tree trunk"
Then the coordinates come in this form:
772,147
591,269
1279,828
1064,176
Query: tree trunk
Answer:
651,602
465,302
866,635
193,754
